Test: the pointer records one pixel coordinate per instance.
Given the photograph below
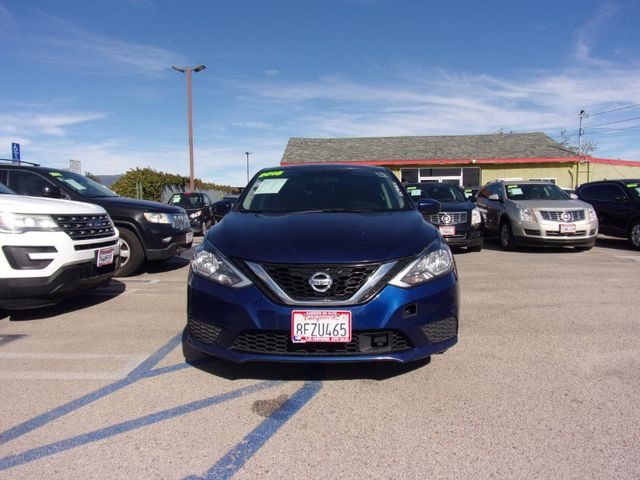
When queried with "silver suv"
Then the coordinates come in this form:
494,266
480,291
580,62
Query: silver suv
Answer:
536,213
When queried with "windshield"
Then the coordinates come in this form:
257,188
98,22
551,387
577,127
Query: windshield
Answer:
442,192
634,188
186,200
5,189
338,189
536,191
82,185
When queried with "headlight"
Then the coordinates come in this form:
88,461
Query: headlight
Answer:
593,217
195,214
430,265
215,267
526,215
158,217
20,223
476,218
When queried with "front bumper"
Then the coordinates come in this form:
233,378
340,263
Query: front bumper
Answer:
35,292
549,234
243,325
465,237
171,243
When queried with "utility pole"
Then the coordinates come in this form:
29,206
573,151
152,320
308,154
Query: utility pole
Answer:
247,154
581,115
188,71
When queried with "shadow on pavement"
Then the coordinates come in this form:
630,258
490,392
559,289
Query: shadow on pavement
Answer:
615,244
293,371
174,263
71,304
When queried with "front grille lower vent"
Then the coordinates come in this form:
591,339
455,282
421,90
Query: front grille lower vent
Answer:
441,330
84,227
279,343
203,332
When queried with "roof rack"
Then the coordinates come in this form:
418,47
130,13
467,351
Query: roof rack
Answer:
19,162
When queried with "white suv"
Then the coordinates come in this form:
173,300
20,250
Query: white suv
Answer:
51,249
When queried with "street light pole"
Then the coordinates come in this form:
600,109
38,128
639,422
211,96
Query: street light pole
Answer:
188,71
247,154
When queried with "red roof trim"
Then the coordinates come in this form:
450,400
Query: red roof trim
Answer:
607,161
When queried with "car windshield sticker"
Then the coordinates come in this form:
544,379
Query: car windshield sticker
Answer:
512,186
272,173
55,174
270,185
411,188
415,192
515,191
74,184
632,185
175,200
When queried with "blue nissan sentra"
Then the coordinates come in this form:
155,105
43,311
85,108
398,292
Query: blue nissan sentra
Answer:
323,263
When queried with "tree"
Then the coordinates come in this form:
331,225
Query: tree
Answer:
588,147
154,182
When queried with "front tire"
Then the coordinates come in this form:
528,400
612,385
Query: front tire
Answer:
634,234
506,236
131,254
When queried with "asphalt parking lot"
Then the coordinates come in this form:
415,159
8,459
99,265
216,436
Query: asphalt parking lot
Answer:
544,383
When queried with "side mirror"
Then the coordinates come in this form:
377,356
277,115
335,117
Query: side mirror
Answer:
428,206
222,209
51,191
494,196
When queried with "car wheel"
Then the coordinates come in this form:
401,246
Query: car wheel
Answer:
634,234
131,254
506,236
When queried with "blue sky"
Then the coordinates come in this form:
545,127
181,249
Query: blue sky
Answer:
91,80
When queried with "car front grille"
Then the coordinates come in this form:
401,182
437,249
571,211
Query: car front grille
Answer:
294,279
181,221
556,233
441,330
557,215
448,218
82,227
90,270
279,343
203,332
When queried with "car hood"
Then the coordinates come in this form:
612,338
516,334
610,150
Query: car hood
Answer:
322,237
51,206
145,205
552,204
457,206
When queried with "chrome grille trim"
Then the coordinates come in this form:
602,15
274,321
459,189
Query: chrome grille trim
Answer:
262,274
555,215
456,218
181,221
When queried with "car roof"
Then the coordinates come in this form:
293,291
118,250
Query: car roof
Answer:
325,166
623,181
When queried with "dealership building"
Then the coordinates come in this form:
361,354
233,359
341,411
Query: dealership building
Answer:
466,160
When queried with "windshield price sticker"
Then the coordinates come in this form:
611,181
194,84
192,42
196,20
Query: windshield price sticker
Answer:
321,326
415,193
105,257
447,231
270,186
273,173
567,228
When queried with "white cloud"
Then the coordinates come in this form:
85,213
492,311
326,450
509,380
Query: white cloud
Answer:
26,124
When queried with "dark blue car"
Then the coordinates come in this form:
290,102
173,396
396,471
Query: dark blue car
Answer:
323,263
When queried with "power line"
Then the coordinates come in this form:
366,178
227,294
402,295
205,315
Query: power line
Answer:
614,109
611,123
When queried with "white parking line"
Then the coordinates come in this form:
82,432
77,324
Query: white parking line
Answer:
125,364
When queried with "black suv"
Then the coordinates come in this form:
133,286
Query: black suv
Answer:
224,206
459,221
199,208
617,204
148,230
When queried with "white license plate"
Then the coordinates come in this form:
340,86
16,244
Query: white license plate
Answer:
105,256
567,228
320,326
447,231
189,238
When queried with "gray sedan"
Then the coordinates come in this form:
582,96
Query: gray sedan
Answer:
536,213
